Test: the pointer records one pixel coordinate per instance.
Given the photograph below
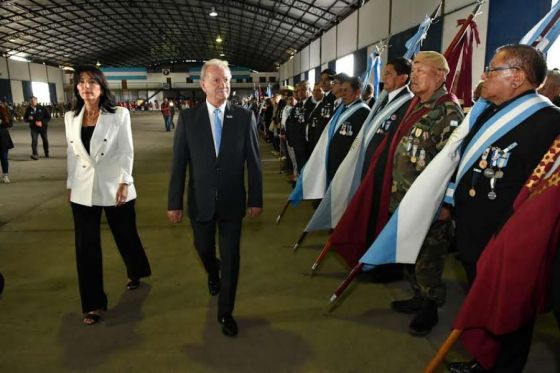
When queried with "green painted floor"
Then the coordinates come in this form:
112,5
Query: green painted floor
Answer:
168,325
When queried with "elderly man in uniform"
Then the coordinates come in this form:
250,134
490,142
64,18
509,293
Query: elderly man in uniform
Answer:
317,95
347,122
324,109
416,149
301,114
485,193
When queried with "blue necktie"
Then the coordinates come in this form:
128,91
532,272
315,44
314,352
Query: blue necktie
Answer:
217,130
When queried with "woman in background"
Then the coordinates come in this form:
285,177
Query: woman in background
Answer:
5,140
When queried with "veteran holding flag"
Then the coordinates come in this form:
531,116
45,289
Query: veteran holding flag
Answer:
414,151
342,133
504,144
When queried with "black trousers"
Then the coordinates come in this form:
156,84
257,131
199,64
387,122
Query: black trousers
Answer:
514,346
35,132
122,222
229,235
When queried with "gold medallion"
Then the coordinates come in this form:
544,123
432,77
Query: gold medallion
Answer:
472,192
413,159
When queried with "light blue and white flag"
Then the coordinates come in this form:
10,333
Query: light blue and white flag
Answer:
543,35
377,64
348,176
312,181
373,67
415,42
401,239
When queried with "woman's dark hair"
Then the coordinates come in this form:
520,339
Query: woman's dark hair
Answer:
106,102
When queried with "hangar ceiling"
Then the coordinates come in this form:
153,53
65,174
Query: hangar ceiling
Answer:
258,34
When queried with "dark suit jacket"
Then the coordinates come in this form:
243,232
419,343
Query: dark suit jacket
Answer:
216,187
341,142
320,117
40,113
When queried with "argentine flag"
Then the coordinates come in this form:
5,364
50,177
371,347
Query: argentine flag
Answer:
312,181
402,237
543,35
348,176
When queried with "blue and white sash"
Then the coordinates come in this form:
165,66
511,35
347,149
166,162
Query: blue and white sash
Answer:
348,176
312,181
500,124
402,237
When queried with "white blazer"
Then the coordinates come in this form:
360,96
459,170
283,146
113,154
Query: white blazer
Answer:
95,177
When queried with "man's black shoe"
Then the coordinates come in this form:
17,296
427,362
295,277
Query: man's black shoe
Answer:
214,285
423,322
229,326
411,305
466,367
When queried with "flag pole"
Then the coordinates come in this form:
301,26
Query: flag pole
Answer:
299,241
463,28
443,350
413,103
546,29
346,282
321,256
279,217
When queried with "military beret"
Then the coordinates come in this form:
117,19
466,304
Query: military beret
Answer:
431,58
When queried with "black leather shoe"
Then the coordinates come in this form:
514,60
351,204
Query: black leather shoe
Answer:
423,322
466,367
411,305
214,285
133,284
229,326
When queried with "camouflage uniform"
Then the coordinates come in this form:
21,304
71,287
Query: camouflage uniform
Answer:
416,149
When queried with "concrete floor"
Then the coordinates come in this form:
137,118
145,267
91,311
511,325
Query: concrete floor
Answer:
168,325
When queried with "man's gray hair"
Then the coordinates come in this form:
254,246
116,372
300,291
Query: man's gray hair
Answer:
214,62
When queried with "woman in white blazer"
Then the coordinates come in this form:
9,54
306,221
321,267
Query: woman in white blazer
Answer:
100,157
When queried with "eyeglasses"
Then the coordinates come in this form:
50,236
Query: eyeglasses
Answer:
489,69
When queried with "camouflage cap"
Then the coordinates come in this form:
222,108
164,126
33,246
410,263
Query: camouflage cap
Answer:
431,58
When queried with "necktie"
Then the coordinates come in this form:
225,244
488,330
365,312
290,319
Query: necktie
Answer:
217,130
383,104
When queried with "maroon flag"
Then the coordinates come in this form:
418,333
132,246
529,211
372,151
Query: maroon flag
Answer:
515,269
459,81
350,236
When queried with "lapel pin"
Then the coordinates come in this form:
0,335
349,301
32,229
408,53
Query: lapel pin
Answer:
229,116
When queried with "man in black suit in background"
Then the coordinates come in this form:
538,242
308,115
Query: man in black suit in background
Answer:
216,156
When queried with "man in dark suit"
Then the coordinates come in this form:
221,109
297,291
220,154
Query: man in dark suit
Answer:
367,95
38,118
215,156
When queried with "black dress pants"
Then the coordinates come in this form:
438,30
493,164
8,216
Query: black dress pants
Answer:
122,222
35,133
229,235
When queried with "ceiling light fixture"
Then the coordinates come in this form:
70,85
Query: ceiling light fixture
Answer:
219,39
19,58
222,54
213,12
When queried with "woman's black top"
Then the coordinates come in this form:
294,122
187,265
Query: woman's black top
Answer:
87,132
